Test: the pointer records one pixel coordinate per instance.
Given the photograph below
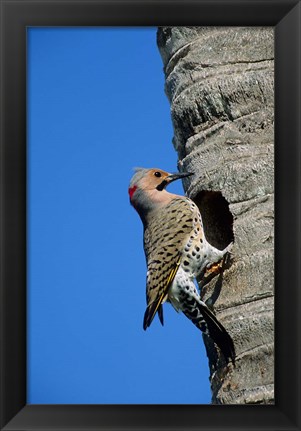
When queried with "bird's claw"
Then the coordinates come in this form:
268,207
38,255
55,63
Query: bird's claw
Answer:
228,249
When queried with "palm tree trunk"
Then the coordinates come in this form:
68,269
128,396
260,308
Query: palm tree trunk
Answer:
220,83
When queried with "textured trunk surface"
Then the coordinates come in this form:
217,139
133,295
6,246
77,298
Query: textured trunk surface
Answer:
220,83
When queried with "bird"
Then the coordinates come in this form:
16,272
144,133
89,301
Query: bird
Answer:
176,252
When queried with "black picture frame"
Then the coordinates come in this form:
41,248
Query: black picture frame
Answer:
16,16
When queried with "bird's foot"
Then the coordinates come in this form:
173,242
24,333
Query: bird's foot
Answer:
214,269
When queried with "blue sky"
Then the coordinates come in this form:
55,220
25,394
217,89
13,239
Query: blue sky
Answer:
96,109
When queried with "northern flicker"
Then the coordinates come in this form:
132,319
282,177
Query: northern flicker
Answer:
176,252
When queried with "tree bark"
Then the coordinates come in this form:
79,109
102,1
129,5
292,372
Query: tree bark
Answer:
220,84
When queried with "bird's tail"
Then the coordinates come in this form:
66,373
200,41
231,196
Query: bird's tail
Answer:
208,323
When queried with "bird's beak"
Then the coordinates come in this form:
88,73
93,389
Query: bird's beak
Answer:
177,176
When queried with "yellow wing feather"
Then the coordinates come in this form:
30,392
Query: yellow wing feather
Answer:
153,307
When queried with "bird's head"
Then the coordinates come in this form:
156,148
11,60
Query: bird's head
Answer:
147,188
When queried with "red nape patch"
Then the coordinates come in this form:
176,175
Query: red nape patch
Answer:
132,191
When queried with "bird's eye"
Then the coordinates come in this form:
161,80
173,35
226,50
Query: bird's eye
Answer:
157,174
